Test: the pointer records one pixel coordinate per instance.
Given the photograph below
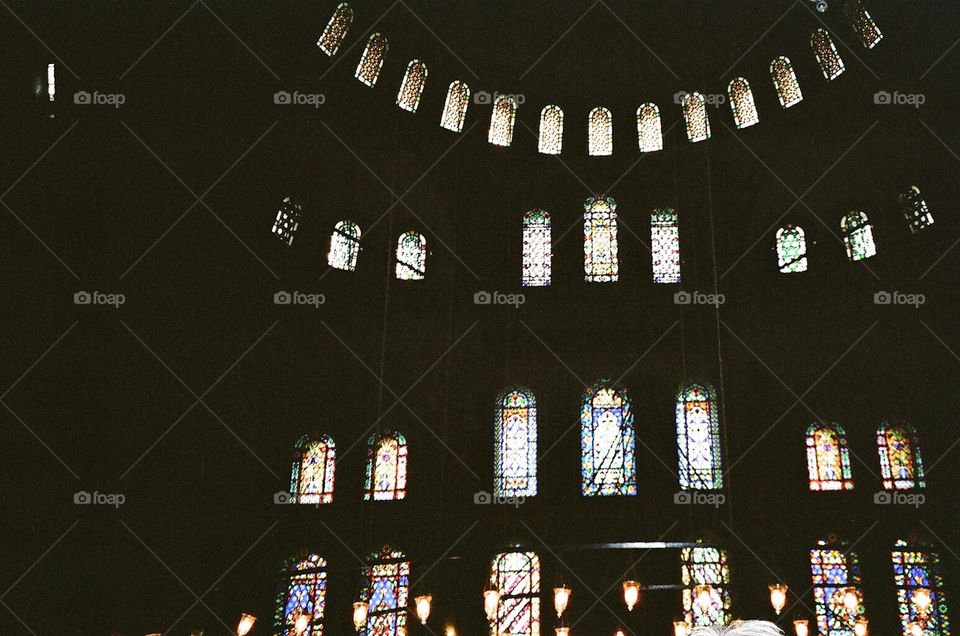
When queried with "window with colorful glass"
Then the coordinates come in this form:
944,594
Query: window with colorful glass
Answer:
920,596
537,254
303,592
336,29
858,236
665,245
601,261
785,81
368,70
502,120
411,256
791,249
741,102
705,566
412,86
455,108
698,438
900,464
386,591
344,246
516,575
515,433
288,221
607,441
695,115
386,467
551,130
826,53
915,209
314,465
862,23
835,574
828,457
600,132
649,128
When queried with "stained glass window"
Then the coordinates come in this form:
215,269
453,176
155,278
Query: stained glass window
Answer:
387,589
695,115
517,576
600,131
336,29
51,82
515,431
386,467
828,458
311,480
288,221
412,86
501,120
344,246
698,438
915,209
862,23
601,262
917,568
665,245
857,236
702,565
827,56
833,571
791,249
607,441
411,256
551,130
649,129
455,108
785,80
741,102
537,253
304,591
900,463
368,70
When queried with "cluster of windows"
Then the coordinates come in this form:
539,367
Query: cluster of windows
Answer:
828,457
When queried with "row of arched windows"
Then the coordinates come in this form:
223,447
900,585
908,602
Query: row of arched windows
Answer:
828,457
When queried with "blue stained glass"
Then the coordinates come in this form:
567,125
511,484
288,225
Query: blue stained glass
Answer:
607,442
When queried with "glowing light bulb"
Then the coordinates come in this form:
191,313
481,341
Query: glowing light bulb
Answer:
561,597
491,599
861,627
851,599
245,624
680,628
301,624
801,627
704,596
423,607
360,615
778,597
922,600
631,593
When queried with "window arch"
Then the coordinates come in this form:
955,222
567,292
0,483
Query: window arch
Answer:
828,457
516,575
314,466
857,236
862,23
791,249
386,467
411,256
386,590
551,130
600,255
455,108
515,432
916,567
827,56
412,86
785,80
368,70
344,246
649,129
336,29
702,565
501,120
900,463
695,116
698,438
741,102
607,441
833,570
600,132
303,591
665,245
915,209
288,221
537,254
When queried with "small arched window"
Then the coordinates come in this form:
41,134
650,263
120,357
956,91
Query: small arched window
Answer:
501,120
601,262
649,128
386,467
551,130
314,463
607,441
412,86
288,221
600,131
698,438
785,81
791,249
741,102
702,565
917,568
386,591
828,458
695,115
344,246
455,108
858,236
411,256
368,70
665,245
862,23
304,592
827,56
537,255
336,29
900,463
915,209
516,575
515,432
833,569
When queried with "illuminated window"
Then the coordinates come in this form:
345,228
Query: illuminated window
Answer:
649,130
344,246
287,221
455,108
833,570
51,81
368,70
336,29
303,591
515,431
827,57
412,86
695,115
386,467
900,464
788,89
858,236
501,120
741,102
828,458
698,438
600,132
537,254
411,256
551,130
311,480
791,249
862,23
600,260
517,577
386,590
607,441
703,565
915,568
915,209
665,246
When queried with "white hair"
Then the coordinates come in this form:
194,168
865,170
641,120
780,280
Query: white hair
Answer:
739,628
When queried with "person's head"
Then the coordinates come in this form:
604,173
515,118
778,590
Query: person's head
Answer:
740,628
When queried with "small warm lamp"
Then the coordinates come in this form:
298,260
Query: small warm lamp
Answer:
801,627
301,624
561,597
631,593
922,600
423,607
563,631
778,597
245,624
861,627
704,596
450,631
915,628
851,599
680,628
491,599
360,615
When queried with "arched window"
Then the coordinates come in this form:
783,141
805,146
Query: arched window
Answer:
501,120
537,255
698,438
411,256
288,221
702,565
649,130
915,568
900,463
826,52
741,102
915,209
311,479
303,591
607,441
695,115
858,236
600,132
665,245
386,590
386,467
455,108
785,80
412,86
515,431
336,29
862,23
791,249
368,70
344,246
828,458
833,570
517,577
601,262
551,130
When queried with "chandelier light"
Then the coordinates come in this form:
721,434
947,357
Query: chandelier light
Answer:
360,615
423,607
922,600
450,631
301,624
851,600
778,597
631,593
245,624
801,627
861,627
704,596
680,628
561,597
